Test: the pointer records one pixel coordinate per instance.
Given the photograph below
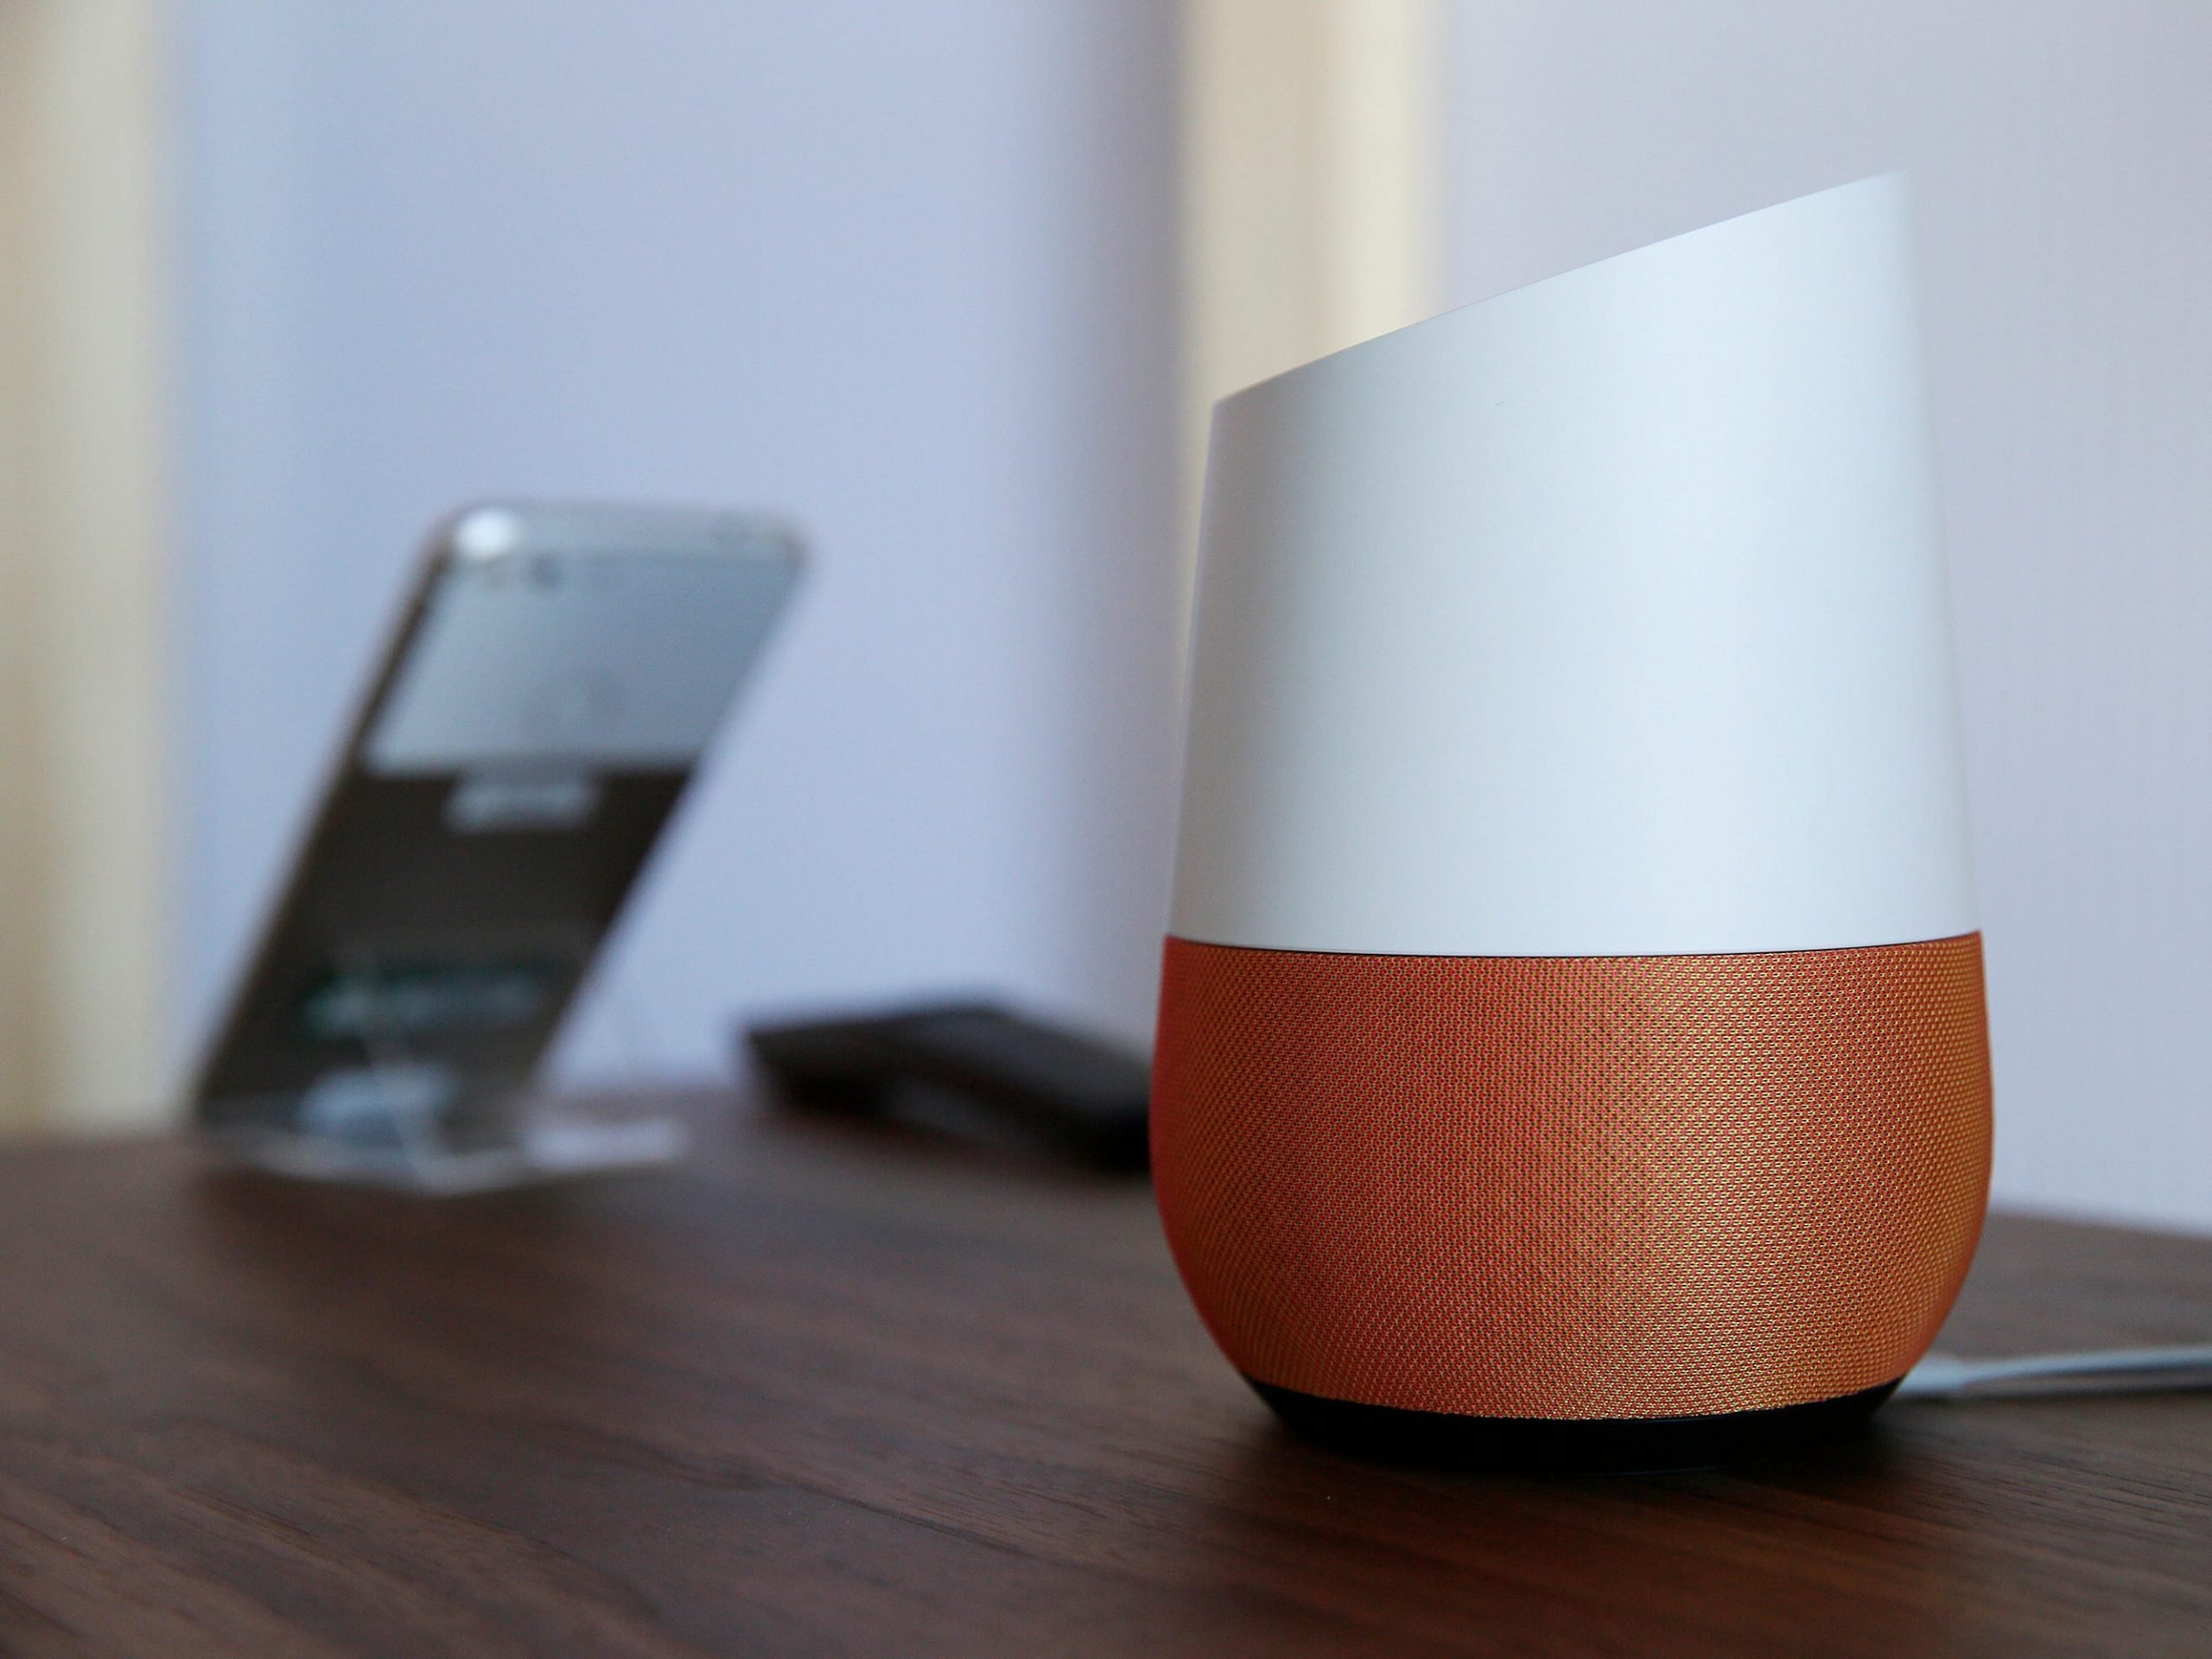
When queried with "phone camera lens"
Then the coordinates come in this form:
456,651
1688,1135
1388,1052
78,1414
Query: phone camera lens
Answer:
486,533
546,571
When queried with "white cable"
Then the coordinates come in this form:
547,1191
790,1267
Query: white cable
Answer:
2111,1370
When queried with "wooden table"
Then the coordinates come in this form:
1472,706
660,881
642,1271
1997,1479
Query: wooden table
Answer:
835,1390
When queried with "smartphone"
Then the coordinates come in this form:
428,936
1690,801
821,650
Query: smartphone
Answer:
556,675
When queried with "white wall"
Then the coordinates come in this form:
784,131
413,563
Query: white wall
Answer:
904,272
2061,152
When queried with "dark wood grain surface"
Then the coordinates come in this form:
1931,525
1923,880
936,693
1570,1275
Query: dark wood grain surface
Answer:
831,1391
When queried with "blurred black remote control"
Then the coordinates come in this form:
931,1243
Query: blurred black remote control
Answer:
1085,1098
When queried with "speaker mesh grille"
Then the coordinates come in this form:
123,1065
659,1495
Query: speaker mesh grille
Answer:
1573,1187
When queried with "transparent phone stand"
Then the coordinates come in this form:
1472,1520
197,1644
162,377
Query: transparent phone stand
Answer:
385,1125
393,1121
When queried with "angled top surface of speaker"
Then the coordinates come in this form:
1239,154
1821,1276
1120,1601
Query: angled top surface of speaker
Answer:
1604,617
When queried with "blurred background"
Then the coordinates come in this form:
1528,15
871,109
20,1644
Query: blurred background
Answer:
951,284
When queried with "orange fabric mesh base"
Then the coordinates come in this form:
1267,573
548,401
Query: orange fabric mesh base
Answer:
1573,1187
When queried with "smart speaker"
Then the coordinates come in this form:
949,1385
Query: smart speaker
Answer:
1571,1045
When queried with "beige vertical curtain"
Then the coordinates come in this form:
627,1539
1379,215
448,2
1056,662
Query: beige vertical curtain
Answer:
83,862
1311,185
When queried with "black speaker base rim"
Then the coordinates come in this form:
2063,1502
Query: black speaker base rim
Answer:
1443,1440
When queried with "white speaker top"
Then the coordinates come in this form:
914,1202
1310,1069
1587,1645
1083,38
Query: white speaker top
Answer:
1605,617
